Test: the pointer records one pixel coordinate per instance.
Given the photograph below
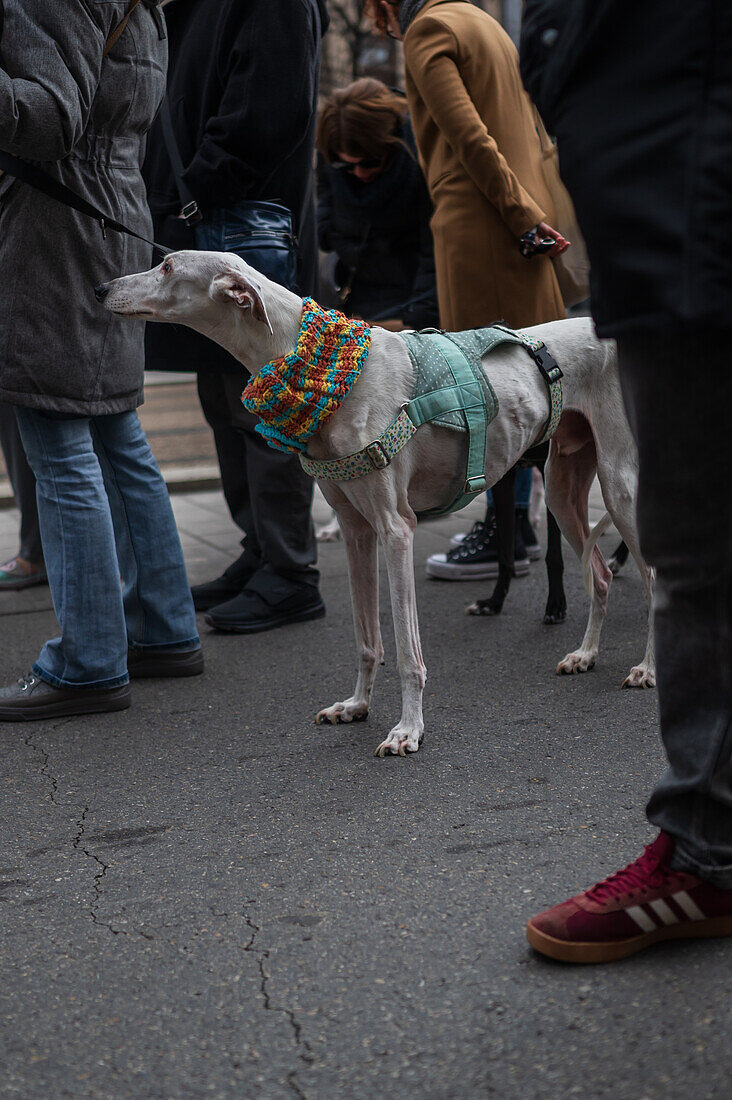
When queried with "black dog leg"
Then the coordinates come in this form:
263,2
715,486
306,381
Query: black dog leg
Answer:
556,604
618,559
503,502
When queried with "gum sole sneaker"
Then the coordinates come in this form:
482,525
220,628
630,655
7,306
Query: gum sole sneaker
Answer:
634,908
32,699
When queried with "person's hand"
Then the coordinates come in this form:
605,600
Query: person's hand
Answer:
561,244
390,20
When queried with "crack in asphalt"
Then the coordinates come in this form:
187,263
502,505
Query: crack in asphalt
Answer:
76,842
98,884
304,1050
52,779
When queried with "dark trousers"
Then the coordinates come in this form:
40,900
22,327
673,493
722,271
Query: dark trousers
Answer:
678,392
268,493
23,482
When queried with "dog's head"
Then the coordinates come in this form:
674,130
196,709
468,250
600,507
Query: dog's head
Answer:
189,288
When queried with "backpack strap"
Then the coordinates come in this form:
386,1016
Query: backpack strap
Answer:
117,32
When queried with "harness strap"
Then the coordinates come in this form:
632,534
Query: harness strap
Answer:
468,397
465,395
550,372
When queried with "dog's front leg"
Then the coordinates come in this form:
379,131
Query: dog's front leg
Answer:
363,572
397,537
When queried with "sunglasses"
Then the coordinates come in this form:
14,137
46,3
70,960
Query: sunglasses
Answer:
345,166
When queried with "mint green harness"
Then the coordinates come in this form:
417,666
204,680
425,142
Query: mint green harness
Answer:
451,391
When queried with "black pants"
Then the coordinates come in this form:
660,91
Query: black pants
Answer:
268,493
678,392
23,482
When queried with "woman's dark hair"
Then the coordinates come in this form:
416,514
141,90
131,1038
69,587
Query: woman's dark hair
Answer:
364,119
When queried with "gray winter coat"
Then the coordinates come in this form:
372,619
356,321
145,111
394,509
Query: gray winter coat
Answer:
83,119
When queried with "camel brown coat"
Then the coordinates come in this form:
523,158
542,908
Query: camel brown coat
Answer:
480,152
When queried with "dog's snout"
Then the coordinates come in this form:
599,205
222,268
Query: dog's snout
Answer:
101,291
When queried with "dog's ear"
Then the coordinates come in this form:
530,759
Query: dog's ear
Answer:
233,287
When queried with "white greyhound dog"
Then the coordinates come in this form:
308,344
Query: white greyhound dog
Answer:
258,321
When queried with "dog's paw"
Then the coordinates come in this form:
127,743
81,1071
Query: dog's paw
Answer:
400,741
483,607
576,662
640,677
350,710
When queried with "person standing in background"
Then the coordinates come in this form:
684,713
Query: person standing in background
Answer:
373,207
242,96
26,569
480,152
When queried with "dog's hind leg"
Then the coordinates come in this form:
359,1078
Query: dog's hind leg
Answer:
397,536
569,477
620,501
363,572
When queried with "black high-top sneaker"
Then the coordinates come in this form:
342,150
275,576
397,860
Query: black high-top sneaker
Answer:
476,555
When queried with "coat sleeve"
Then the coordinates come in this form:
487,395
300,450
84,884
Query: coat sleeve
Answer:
326,213
430,54
50,62
266,103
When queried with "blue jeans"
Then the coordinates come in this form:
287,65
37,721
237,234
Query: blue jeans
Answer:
261,234
104,511
522,490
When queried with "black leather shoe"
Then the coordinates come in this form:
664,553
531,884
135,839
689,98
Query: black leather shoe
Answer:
267,601
32,698
147,661
231,582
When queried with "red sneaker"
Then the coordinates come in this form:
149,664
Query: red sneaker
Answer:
630,910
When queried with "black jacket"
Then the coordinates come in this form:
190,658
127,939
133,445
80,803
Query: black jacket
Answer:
639,96
242,87
381,234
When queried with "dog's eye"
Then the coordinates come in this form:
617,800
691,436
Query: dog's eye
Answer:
167,267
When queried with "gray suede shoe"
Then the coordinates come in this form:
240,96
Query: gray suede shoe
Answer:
32,699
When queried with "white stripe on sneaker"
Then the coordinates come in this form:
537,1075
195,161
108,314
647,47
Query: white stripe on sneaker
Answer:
641,918
666,914
688,905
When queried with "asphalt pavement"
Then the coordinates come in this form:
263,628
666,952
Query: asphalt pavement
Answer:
210,896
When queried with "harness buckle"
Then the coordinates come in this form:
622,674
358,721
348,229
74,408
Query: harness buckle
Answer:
377,454
546,363
475,485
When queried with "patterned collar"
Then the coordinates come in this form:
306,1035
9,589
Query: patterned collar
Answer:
294,396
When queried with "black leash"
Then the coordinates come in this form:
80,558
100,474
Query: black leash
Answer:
54,189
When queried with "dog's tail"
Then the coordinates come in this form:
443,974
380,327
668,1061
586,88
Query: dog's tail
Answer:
597,531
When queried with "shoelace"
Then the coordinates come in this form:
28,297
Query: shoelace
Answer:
479,534
27,681
644,871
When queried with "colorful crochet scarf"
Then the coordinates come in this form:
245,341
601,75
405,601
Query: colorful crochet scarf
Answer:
296,395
